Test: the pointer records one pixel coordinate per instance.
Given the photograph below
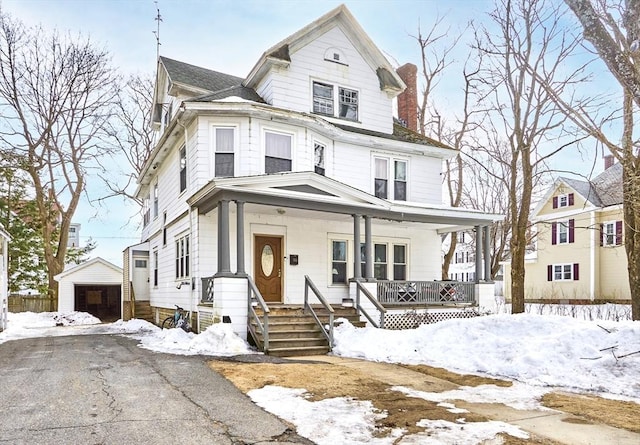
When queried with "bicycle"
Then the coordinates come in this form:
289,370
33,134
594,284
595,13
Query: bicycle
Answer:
179,319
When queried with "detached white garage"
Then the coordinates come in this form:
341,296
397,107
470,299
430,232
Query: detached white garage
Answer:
94,287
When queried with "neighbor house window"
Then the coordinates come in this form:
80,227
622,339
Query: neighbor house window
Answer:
224,152
562,232
318,151
348,104
338,262
182,257
563,272
277,152
564,200
155,268
183,169
399,262
322,98
611,233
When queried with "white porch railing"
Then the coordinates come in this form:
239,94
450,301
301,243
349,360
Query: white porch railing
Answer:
426,293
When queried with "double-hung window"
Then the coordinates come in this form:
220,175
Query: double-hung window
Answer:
182,257
338,262
611,233
563,272
380,261
318,151
155,200
324,100
224,141
277,152
155,268
382,172
399,262
183,169
562,232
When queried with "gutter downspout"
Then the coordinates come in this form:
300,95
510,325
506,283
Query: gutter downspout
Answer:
592,257
191,244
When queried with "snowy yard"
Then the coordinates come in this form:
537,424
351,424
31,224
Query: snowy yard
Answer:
540,353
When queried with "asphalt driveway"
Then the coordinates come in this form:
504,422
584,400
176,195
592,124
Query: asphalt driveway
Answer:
103,389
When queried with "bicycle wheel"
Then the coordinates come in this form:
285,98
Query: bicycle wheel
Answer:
168,323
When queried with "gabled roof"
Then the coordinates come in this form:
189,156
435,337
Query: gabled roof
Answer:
87,264
235,91
280,53
201,78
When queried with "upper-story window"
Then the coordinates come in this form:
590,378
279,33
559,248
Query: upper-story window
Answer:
277,152
611,233
564,200
318,151
182,257
224,141
382,188
326,95
146,211
183,168
562,232
155,200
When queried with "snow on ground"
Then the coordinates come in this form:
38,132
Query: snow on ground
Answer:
540,352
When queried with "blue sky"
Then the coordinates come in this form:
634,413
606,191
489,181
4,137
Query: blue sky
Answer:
227,36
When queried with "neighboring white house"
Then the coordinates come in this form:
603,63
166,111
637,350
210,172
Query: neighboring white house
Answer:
4,276
298,169
94,286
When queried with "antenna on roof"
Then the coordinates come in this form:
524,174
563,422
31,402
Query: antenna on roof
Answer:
157,31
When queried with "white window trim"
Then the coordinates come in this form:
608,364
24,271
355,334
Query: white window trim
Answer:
562,265
391,175
186,167
212,145
176,240
604,234
564,223
348,265
336,99
263,147
564,196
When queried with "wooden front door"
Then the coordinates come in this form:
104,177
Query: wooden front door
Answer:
267,267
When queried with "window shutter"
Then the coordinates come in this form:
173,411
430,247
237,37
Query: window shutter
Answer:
570,199
554,231
555,202
549,272
618,233
572,223
576,270
601,235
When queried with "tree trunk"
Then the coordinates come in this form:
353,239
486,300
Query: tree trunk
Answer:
446,262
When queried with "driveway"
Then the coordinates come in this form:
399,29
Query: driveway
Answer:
103,389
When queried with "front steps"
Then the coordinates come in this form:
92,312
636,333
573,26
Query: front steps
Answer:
143,311
293,333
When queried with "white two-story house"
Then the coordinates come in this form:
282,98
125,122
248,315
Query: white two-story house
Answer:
297,170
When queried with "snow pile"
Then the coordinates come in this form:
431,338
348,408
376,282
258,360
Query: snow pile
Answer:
50,319
538,350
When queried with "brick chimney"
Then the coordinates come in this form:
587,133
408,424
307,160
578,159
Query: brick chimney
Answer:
608,161
408,99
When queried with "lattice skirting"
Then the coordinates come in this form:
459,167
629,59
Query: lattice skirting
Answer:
413,319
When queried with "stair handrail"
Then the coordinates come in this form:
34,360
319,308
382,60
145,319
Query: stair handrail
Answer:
328,330
132,298
374,301
256,297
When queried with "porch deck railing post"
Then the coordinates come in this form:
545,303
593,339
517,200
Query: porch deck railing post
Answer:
224,262
478,254
487,253
240,237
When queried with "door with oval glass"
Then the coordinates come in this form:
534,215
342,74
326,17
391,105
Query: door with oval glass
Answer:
267,266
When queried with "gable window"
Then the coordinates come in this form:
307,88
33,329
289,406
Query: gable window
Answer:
348,104
338,262
382,187
564,200
277,152
318,151
224,152
322,98
399,262
182,257
611,233
563,232
326,95
563,272
183,168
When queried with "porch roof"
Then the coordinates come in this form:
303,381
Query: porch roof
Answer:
310,191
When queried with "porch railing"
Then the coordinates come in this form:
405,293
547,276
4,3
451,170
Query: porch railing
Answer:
328,330
360,289
261,327
426,292
207,290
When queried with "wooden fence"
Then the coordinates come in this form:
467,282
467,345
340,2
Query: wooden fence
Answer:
30,303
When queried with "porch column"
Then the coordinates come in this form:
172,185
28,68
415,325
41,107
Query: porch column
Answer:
224,260
368,249
487,253
478,253
357,261
240,237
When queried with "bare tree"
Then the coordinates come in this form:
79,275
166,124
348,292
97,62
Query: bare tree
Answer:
56,94
613,28
529,38
133,136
